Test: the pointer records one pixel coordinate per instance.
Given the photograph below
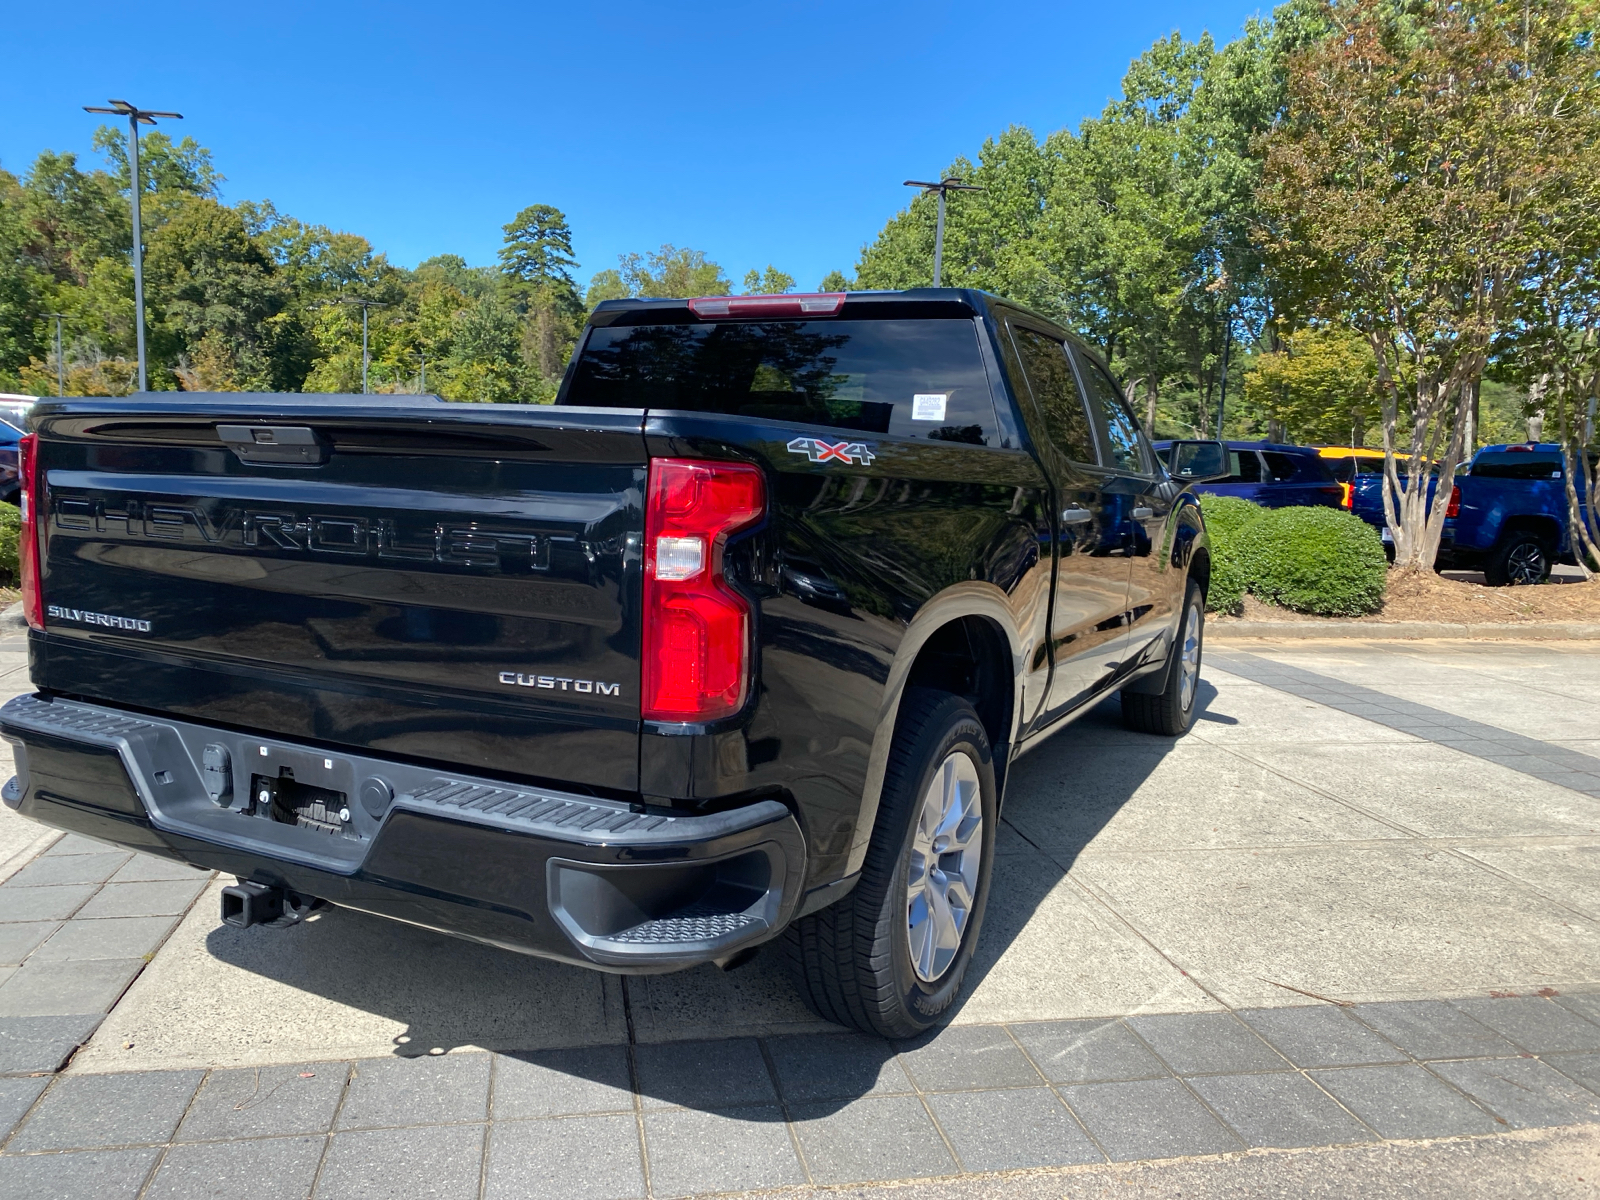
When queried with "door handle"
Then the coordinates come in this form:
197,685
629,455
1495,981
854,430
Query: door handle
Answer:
1143,514
1076,516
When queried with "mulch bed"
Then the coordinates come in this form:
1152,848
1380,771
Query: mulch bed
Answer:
1433,597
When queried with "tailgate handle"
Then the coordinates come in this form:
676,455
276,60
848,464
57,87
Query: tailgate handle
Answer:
275,445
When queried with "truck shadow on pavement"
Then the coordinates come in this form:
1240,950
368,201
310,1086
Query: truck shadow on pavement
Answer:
361,977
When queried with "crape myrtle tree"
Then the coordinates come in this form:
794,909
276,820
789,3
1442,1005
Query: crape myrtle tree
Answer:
1554,343
1406,191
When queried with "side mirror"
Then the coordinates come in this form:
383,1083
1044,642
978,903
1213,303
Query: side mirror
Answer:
1198,462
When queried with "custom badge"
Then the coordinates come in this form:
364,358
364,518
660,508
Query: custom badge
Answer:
820,451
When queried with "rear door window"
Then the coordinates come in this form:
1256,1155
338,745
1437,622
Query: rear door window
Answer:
906,378
1244,467
1055,391
1281,468
1120,444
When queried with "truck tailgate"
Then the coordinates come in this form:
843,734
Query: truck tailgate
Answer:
447,583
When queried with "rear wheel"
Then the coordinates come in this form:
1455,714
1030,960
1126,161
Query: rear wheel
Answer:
1519,558
890,957
1171,711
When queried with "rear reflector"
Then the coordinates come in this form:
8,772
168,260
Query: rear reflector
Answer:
812,304
28,541
696,627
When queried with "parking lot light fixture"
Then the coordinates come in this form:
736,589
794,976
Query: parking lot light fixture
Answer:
136,117
365,305
950,184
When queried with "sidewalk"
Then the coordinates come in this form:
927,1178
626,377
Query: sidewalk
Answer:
736,1115
1410,832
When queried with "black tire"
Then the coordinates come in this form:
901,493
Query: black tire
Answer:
1518,559
852,962
1171,711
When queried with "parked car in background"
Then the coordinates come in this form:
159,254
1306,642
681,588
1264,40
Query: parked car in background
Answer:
1359,470
15,407
1508,515
1272,475
10,434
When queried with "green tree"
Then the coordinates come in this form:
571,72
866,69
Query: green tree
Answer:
772,282
163,166
538,247
672,273
836,281
213,294
1320,385
536,261
606,285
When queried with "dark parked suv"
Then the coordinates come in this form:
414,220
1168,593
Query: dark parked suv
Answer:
736,642
1273,475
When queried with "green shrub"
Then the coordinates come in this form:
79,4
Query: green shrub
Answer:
10,529
1227,517
1313,560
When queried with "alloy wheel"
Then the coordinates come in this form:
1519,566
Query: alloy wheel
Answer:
946,852
1525,563
1190,663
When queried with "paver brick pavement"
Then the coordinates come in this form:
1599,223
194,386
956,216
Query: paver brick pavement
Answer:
1048,1067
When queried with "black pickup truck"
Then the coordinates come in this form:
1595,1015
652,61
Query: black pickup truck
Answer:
735,642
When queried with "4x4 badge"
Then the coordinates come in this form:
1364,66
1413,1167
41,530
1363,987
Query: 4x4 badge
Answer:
819,451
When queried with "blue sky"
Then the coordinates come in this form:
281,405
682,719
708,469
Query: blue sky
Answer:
770,131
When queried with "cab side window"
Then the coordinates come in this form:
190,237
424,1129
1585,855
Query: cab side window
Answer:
1246,467
1120,444
1049,375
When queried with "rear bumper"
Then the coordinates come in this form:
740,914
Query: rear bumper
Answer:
587,881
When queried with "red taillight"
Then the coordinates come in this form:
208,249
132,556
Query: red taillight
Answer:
28,539
812,304
1454,509
696,627
1347,491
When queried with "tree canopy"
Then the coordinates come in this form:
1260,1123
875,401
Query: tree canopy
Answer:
244,297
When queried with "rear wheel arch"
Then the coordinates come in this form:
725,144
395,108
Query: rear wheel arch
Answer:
1546,529
1200,569
969,657
971,615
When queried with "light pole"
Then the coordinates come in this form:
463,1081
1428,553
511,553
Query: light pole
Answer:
951,184
136,117
61,375
364,304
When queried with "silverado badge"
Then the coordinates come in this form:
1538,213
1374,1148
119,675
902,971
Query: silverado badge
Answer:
820,451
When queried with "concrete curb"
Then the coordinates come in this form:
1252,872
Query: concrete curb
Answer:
12,620
1229,628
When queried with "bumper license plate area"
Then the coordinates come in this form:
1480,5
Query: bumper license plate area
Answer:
288,801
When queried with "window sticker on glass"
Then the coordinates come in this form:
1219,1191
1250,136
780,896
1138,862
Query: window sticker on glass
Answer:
928,406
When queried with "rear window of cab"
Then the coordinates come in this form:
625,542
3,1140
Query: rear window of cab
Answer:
1516,464
920,378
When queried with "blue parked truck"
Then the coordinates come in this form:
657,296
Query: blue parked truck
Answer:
1360,474
1508,515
